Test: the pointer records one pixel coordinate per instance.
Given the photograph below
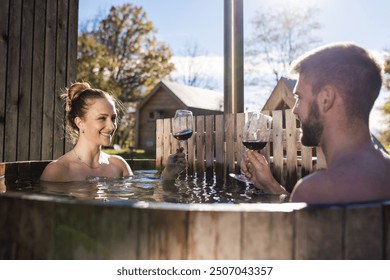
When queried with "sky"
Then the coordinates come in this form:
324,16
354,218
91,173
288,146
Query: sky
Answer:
180,23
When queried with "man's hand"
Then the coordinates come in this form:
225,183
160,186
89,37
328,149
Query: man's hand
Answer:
255,167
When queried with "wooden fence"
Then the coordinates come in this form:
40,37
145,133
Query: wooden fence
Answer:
216,146
38,49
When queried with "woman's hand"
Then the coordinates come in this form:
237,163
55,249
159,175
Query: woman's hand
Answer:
176,164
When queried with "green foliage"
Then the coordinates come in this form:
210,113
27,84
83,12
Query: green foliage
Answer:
121,54
385,135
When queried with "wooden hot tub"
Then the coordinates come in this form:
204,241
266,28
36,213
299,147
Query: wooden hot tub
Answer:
43,227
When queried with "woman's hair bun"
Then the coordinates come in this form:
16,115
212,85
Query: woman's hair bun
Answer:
77,88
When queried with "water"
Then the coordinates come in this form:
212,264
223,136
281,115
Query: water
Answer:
145,185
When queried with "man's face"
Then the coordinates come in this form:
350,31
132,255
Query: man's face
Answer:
307,110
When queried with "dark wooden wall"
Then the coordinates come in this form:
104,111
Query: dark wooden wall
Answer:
38,49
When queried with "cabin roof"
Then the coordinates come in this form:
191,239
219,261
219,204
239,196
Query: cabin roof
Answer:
191,97
282,95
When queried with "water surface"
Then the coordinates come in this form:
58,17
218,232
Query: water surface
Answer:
145,185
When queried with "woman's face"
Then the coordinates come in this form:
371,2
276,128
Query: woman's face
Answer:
100,122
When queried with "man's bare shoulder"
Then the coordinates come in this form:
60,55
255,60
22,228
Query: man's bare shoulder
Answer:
363,177
314,188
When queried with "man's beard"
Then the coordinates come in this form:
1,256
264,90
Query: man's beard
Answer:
313,127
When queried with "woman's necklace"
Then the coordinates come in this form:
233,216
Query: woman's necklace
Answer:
79,158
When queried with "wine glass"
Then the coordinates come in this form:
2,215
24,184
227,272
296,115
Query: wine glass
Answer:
182,125
255,136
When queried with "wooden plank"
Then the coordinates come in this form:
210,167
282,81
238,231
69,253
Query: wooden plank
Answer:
167,235
200,149
37,81
159,143
166,141
210,242
277,146
219,147
13,78
267,235
307,160
49,81
230,132
119,235
319,234
71,64
386,230
321,161
266,150
209,146
4,17
240,148
60,78
191,150
24,105
363,233
291,150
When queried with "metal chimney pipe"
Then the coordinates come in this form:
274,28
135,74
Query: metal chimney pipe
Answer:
233,56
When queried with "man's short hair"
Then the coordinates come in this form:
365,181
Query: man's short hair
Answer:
351,69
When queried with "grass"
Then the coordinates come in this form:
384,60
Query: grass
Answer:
131,154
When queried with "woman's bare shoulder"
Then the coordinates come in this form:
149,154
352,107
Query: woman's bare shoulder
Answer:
121,163
57,170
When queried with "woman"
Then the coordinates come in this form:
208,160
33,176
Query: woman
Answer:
91,121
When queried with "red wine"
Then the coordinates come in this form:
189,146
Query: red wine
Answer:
255,145
183,135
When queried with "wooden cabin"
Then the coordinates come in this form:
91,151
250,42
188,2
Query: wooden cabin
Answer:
282,96
163,102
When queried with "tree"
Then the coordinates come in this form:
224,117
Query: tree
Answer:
385,135
120,54
191,73
278,37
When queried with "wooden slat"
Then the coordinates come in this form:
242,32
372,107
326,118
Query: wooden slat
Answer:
307,160
159,143
319,234
209,242
191,142
12,90
60,78
166,141
386,231
361,225
24,105
49,81
4,17
71,70
167,236
200,130
240,148
277,120
266,151
291,150
209,146
321,161
230,132
219,146
267,235
37,81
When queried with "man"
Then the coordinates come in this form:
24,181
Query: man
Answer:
335,92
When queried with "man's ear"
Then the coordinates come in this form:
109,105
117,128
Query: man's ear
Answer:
326,97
